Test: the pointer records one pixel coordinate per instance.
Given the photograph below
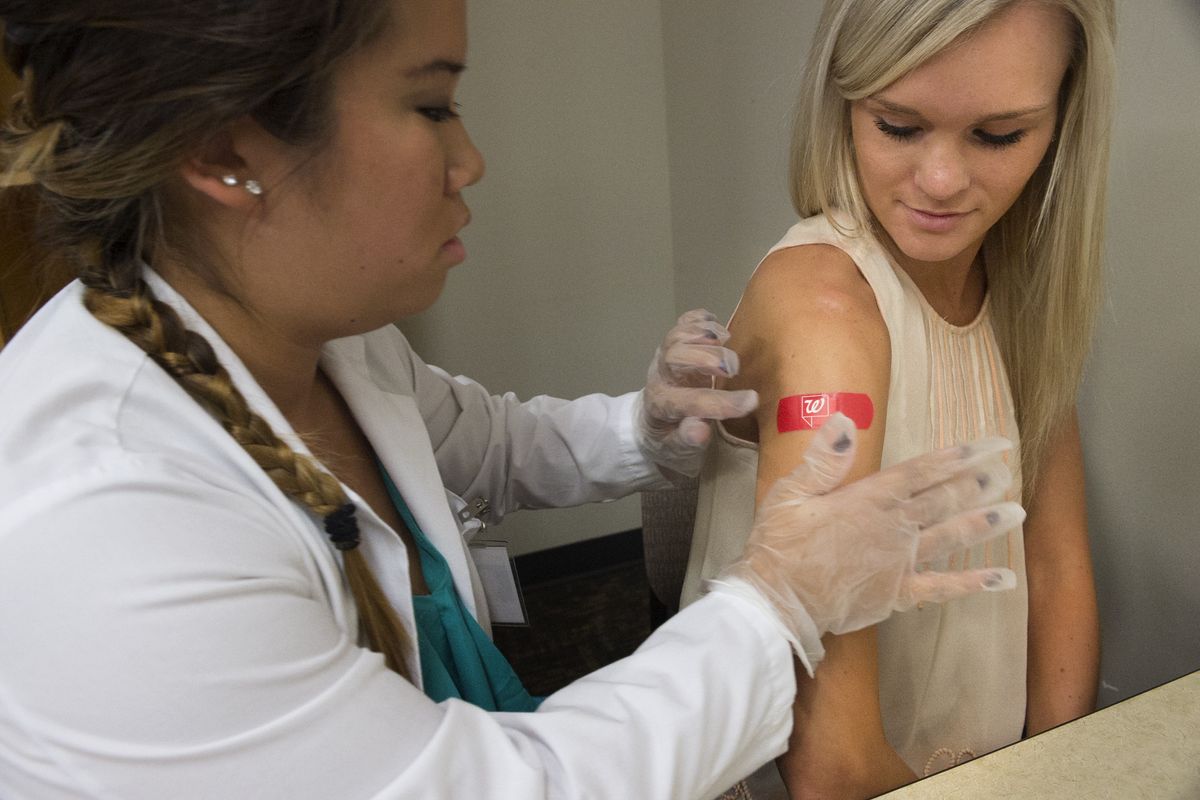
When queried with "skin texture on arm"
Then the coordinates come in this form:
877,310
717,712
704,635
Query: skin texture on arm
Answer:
1064,628
808,324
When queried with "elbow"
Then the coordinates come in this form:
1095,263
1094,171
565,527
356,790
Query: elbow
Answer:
855,776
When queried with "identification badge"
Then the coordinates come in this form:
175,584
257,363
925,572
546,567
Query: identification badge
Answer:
501,586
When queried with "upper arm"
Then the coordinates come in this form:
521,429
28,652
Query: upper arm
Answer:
1064,637
809,324
1056,525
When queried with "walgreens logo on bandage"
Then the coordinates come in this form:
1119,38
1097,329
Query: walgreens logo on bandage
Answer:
807,412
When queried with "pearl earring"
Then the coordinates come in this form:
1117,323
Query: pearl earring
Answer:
252,186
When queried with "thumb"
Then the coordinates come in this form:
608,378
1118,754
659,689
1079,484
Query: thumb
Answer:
693,432
939,587
826,463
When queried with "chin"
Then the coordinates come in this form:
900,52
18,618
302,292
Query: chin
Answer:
930,247
420,299
932,253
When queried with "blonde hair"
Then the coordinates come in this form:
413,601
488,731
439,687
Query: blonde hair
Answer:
1043,257
111,104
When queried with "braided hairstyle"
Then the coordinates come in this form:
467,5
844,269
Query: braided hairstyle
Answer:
112,103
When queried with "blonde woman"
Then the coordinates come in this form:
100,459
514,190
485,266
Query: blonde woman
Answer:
949,163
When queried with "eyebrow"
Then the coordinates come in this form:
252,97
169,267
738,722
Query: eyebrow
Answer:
438,66
1003,115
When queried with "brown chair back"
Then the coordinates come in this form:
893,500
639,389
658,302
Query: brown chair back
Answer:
667,518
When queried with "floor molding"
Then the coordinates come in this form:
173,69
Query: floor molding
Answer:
580,558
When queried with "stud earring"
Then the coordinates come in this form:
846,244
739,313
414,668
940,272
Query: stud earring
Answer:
252,186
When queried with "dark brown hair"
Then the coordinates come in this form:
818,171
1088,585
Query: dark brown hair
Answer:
113,100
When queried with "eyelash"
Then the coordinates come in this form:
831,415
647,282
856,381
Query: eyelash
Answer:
441,114
1001,140
997,142
894,131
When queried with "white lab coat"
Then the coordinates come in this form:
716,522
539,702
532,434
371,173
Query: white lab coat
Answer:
171,625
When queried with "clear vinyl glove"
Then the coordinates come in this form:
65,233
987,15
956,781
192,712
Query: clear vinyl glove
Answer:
833,560
674,411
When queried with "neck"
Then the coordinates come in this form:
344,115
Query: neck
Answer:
954,288
284,366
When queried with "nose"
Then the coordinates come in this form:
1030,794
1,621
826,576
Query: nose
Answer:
464,162
943,171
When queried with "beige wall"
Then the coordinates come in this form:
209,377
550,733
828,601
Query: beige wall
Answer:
568,285
637,158
731,79
1141,431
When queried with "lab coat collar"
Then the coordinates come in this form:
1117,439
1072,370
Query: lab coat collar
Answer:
393,424
399,448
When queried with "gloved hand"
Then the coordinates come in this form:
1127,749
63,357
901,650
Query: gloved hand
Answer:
830,560
675,408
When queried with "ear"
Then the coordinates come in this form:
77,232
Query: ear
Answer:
219,171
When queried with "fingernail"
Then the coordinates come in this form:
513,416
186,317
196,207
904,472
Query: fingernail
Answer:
993,518
842,444
999,581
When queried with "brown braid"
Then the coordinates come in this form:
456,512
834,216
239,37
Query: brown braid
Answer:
109,107
187,357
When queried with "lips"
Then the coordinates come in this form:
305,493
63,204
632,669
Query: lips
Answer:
455,250
934,221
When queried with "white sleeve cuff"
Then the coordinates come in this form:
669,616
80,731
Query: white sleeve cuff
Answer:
801,633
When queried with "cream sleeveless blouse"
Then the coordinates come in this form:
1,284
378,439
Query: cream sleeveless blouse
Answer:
951,677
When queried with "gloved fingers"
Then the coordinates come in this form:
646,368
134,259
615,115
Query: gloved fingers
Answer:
967,530
986,483
695,363
693,349
671,404
939,587
831,453
826,463
699,326
909,478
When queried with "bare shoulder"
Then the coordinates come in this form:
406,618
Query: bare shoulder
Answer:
807,298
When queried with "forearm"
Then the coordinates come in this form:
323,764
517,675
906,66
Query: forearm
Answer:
837,748
680,718
1064,648
541,453
1064,628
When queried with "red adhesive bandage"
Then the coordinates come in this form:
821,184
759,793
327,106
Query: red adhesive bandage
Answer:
807,412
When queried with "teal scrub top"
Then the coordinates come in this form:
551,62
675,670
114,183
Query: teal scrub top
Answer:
458,659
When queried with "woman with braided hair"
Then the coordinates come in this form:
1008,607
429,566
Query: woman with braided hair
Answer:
228,561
